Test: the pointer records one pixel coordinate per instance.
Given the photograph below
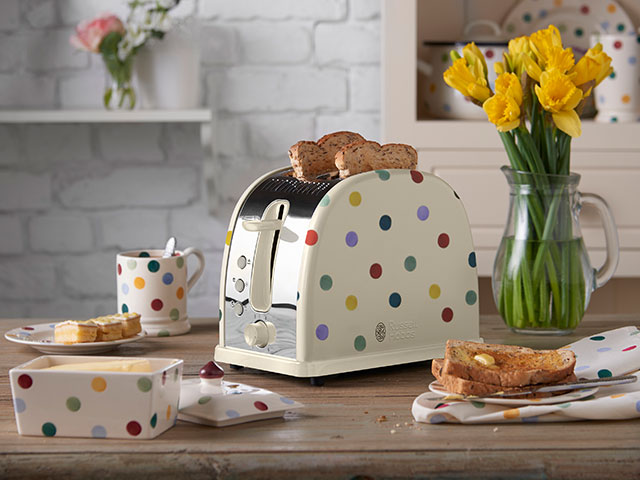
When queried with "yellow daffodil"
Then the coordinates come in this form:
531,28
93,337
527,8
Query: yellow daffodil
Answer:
594,66
559,96
544,42
503,109
474,56
470,80
560,59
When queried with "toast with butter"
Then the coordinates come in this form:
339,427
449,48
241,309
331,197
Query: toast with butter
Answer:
470,387
506,365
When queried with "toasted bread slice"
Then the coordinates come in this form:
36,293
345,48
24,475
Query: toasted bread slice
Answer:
514,366
363,156
469,387
310,159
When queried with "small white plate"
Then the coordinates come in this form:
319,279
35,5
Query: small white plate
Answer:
565,397
40,337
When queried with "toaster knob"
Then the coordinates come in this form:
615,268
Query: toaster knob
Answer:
260,333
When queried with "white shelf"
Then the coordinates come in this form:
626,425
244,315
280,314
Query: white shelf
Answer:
199,115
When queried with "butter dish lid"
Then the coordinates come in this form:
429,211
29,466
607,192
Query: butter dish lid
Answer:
209,400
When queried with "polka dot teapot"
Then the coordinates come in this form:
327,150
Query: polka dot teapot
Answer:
334,276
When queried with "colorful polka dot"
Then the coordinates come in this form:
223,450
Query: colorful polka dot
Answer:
423,212
144,255
98,384
355,198
471,297
261,406
603,349
628,349
618,395
227,240
312,237
578,32
395,299
584,10
617,44
156,304
437,418
153,266
526,17
360,343
620,27
472,260
432,87
447,314
174,314
124,308
139,283
131,264
205,399
154,420
27,328
351,239
168,414
597,338
286,400
180,262
144,384
626,98
434,291
478,404
351,302
98,431
638,406
25,381
410,263
375,271
167,278
632,60
164,377
325,201
125,288
604,373
19,405
533,419
489,53
164,333
134,428
385,222
180,293
543,13
322,332
383,175
48,429
564,405
326,282
582,367
416,176
232,413
443,240
119,269
73,404
512,413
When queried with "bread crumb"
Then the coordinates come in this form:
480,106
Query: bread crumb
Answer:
337,437
366,413
397,425
381,418
392,432
495,429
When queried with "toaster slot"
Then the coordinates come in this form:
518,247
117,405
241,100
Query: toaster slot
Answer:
264,257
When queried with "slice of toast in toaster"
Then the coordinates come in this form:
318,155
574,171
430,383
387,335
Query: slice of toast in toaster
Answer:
463,386
310,159
364,156
509,366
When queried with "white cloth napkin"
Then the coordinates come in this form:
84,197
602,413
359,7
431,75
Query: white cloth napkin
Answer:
616,352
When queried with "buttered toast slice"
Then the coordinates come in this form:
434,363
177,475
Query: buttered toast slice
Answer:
470,387
506,365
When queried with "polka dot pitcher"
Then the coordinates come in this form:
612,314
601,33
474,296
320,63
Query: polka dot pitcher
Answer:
157,288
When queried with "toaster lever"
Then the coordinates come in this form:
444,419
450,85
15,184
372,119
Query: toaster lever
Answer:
264,257
261,225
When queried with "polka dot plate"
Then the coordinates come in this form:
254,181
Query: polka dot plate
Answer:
40,337
436,387
576,20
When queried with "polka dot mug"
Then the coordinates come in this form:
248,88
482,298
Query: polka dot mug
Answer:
157,288
617,98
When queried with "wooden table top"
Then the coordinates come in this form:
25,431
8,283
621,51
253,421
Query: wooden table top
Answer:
337,435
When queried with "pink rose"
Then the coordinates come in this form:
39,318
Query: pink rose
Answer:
89,34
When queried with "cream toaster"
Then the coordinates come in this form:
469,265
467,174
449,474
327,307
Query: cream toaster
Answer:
333,276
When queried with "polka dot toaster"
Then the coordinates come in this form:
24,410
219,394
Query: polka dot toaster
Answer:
133,405
333,276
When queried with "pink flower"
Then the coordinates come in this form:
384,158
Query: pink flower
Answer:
89,34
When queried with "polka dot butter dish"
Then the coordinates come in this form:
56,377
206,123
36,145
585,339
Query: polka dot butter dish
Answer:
209,400
99,397
339,275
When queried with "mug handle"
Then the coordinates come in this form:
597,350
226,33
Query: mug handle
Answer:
198,273
608,268
497,31
424,68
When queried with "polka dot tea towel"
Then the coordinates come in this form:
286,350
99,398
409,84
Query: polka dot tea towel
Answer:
616,352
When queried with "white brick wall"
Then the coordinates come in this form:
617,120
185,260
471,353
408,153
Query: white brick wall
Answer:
72,196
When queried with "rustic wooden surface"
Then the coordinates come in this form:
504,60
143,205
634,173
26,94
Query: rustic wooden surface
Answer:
335,436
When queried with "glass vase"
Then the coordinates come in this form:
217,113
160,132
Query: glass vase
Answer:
542,276
119,93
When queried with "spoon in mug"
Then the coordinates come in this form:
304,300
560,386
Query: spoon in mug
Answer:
169,248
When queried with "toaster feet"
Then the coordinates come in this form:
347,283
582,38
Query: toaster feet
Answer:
316,381
236,367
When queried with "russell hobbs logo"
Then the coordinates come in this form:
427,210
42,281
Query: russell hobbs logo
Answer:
402,330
